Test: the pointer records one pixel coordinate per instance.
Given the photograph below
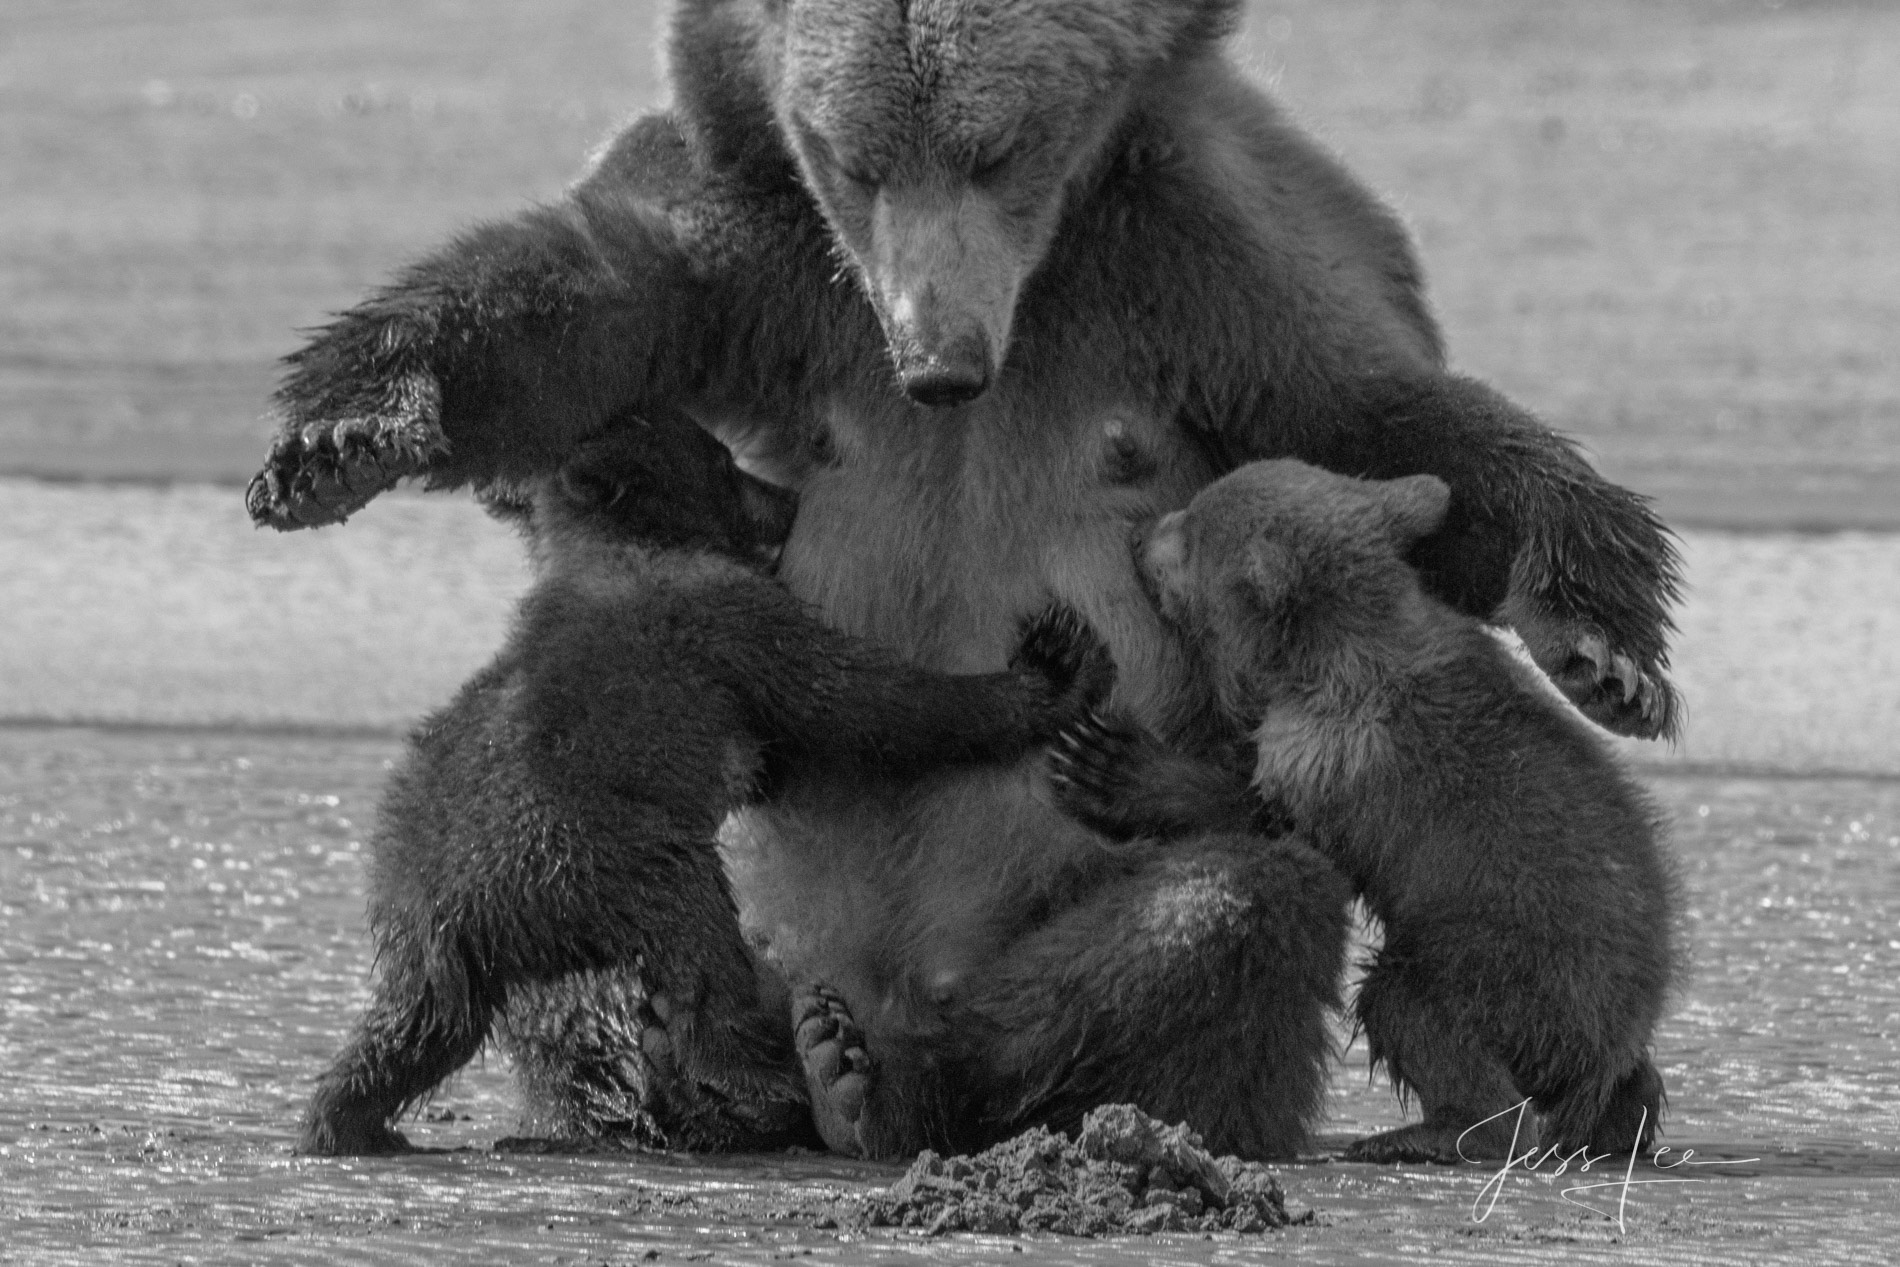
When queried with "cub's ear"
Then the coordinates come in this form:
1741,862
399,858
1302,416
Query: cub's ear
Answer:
1415,507
1268,573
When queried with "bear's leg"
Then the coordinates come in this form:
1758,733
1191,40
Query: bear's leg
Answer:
837,696
1194,984
575,1045
493,357
1472,1107
412,1037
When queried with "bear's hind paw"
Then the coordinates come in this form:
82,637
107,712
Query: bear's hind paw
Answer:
838,1068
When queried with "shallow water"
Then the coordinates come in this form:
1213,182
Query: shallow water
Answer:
182,947
126,604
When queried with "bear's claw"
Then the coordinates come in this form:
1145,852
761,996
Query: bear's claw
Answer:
323,472
1088,767
1613,689
1061,647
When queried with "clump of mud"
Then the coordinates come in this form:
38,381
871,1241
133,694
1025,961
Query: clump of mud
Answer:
1124,1172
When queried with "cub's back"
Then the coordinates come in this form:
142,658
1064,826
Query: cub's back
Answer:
1505,794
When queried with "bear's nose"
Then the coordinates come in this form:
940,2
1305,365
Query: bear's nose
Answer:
957,372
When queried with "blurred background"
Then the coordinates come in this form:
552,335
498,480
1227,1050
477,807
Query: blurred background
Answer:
1670,226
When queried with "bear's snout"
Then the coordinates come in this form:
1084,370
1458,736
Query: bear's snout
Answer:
951,373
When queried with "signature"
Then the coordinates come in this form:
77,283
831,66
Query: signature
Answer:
1532,1161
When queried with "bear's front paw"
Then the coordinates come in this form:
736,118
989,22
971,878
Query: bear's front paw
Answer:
1610,687
321,472
1061,647
1090,765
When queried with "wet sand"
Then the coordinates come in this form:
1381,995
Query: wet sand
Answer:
181,929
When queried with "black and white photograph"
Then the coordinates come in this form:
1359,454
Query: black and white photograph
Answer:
1040,631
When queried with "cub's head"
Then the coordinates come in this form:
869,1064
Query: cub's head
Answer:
939,136
664,483
1282,567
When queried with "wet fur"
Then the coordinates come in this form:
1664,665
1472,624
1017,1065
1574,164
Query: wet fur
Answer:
1196,284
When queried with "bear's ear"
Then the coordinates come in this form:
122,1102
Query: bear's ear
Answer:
1268,571
1415,507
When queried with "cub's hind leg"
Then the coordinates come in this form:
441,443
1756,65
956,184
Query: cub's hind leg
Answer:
412,1037
603,1062
1195,984
574,1043
1468,1097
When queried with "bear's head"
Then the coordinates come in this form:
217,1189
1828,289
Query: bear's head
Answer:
938,137
660,482
1282,568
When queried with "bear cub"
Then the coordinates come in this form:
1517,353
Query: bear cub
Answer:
1530,911
549,840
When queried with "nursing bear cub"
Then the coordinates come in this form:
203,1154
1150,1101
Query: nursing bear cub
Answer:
1529,909
554,830
988,284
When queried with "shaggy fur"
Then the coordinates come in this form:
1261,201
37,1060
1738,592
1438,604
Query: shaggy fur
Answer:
1529,908
549,842
989,282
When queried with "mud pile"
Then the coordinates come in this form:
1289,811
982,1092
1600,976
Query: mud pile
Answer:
1123,1173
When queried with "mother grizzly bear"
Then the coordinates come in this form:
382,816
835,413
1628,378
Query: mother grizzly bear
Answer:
990,282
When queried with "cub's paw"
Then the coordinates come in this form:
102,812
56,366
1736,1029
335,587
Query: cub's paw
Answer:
838,1069
324,471
1064,650
1433,1143
350,1135
1629,1119
1615,690
1090,764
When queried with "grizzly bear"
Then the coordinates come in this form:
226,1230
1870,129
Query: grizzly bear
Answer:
555,827
988,284
1529,908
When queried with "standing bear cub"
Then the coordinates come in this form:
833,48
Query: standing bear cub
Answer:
558,821
1529,909
990,282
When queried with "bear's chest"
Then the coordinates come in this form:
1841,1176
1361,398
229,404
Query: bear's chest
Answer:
938,534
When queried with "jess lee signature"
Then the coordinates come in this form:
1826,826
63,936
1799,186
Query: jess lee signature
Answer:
1532,1161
